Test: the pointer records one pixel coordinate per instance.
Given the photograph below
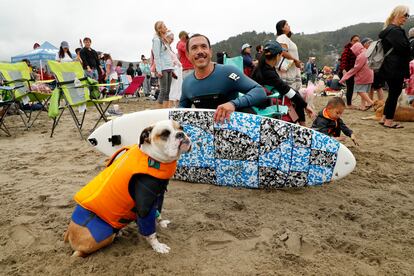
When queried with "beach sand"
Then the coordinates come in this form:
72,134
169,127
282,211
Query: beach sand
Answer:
360,225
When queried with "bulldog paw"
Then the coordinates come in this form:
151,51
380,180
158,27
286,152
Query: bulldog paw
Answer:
164,223
156,245
161,248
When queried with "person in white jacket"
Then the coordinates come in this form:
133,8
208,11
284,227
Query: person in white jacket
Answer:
177,76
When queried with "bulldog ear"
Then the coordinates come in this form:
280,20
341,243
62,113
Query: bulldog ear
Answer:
145,136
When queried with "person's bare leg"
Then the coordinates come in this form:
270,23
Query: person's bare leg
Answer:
380,94
371,94
365,99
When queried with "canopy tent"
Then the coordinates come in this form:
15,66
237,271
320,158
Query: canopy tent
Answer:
46,51
38,56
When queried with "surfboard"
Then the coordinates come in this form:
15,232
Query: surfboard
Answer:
248,151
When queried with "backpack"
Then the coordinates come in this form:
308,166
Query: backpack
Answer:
412,47
375,55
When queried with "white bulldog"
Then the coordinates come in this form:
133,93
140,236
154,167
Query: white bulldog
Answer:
161,145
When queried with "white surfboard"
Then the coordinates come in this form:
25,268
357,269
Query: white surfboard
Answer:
249,151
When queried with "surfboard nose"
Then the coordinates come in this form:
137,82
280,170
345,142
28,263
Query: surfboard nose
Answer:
345,163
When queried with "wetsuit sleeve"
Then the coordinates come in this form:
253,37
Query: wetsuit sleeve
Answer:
254,93
148,194
346,130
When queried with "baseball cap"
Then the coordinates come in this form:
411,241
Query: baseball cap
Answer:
273,47
366,40
64,44
245,46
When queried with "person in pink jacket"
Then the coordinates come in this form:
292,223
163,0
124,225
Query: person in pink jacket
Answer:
364,76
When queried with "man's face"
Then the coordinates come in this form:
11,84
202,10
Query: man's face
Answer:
87,43
199,53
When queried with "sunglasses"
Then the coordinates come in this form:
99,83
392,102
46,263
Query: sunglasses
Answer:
406,15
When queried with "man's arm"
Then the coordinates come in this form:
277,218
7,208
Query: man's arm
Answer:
254,93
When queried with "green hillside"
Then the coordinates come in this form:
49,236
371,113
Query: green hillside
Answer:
325,46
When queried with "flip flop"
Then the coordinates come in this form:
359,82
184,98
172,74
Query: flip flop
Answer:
367,108
381,123
394,126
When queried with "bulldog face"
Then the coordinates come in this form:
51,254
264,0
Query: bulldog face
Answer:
165,141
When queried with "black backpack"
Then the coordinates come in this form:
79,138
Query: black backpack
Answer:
412,47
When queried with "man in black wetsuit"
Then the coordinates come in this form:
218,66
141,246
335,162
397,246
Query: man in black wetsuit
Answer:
217,86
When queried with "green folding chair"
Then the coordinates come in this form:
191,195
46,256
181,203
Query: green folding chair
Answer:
17,77
235,61
272,111
77,91
6,102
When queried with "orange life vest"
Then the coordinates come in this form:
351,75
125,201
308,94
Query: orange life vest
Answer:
107,194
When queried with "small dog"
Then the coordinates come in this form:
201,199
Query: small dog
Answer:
402,113
131,186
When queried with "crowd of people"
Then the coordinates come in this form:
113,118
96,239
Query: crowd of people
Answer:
277,64
186,75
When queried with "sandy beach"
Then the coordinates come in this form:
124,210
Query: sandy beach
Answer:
360,225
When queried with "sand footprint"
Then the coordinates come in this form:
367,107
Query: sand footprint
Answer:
21,236
295,244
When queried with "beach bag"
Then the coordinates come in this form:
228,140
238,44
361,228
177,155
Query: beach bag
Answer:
375,55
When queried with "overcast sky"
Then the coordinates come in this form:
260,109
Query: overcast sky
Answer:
124,28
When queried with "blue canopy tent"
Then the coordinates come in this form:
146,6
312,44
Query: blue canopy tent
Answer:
38,56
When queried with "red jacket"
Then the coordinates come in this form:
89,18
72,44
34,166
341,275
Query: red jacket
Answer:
347,58
182,57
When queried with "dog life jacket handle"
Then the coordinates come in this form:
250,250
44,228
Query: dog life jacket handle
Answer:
115,155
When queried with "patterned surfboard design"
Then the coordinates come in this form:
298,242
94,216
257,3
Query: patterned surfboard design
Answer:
254,152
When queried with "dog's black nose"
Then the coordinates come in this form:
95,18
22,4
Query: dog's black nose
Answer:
180,135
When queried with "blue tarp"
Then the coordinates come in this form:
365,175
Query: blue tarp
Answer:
46,51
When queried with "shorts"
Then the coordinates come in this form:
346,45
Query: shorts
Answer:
362,88
378,81
100,229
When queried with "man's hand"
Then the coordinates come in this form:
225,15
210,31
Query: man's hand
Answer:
297,63
159,75
223,112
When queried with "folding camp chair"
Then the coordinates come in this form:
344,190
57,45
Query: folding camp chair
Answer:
235,61
6,102
274,110
134,86
77,91
17,77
